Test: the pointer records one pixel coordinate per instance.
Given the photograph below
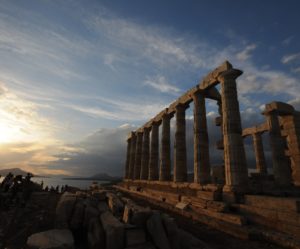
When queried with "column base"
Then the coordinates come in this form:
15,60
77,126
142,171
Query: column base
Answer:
234,194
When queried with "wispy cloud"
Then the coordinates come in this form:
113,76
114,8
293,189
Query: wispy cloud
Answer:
287,40
290,58
246,53
161,84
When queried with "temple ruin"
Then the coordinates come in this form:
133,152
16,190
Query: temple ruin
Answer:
237,200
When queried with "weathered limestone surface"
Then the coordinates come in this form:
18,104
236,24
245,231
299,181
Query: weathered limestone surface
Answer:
114,231
291,124
154,153
132,155
52,239
259,154
145,155
201,146
165,161
64,210
234,153
138,156
180,157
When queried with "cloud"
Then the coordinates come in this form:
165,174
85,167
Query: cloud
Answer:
290,58
245,54
287,40
161,84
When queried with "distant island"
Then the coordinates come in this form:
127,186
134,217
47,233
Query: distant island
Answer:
14,171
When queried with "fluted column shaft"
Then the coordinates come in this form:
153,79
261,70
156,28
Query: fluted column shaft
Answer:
281,165
201,146
138,156
180,157
145,155
259,154
126,175
154,153
132,156
236,172
165,160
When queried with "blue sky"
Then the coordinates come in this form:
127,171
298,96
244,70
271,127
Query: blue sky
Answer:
76,76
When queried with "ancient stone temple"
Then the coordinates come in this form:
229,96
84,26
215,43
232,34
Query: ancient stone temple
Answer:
227,197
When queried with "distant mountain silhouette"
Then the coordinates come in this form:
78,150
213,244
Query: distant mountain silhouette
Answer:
15,171
99,176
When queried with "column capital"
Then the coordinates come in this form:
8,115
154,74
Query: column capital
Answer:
231,74
181,106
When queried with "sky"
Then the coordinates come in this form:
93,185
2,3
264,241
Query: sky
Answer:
77,76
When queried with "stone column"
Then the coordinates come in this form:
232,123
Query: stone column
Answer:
138,156
126,176
259,154
154,152
281,166
180,158
132,156
165,159
291,124
201,146
236,172
145,155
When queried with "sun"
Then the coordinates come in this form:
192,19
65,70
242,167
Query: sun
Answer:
9,133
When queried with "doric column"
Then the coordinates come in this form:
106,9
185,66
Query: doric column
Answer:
291,125
138,156
180,158
259,154
165,159
201,146
281,166
154,151
132,156
126,175
236,172
145,155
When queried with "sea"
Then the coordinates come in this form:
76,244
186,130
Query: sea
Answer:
59,181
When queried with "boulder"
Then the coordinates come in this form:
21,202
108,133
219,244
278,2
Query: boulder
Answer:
77,216
115,204
147,245
188,241
114,231
96,236
90,212
171,231
157,231
51,239
100,194
64,210
136,215
135,236
102,207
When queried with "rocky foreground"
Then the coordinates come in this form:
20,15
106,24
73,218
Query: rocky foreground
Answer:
101,218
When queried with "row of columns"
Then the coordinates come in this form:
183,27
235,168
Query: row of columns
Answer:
236,174
142,160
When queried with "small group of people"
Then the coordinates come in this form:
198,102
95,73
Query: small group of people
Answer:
17,187
56,189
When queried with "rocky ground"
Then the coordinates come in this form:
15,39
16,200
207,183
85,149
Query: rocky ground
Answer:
105,218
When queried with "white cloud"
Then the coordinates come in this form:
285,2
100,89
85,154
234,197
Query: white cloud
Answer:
245,54
288,40
161,84
290,58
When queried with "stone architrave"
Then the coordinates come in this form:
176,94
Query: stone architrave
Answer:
127,159
281,165
165,160
259,154
132,155
236,172
201,146
138,156
180,157
145,155
154,152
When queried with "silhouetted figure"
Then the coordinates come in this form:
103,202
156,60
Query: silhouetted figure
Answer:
42,184
46,189
52,189
7,182
57,189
